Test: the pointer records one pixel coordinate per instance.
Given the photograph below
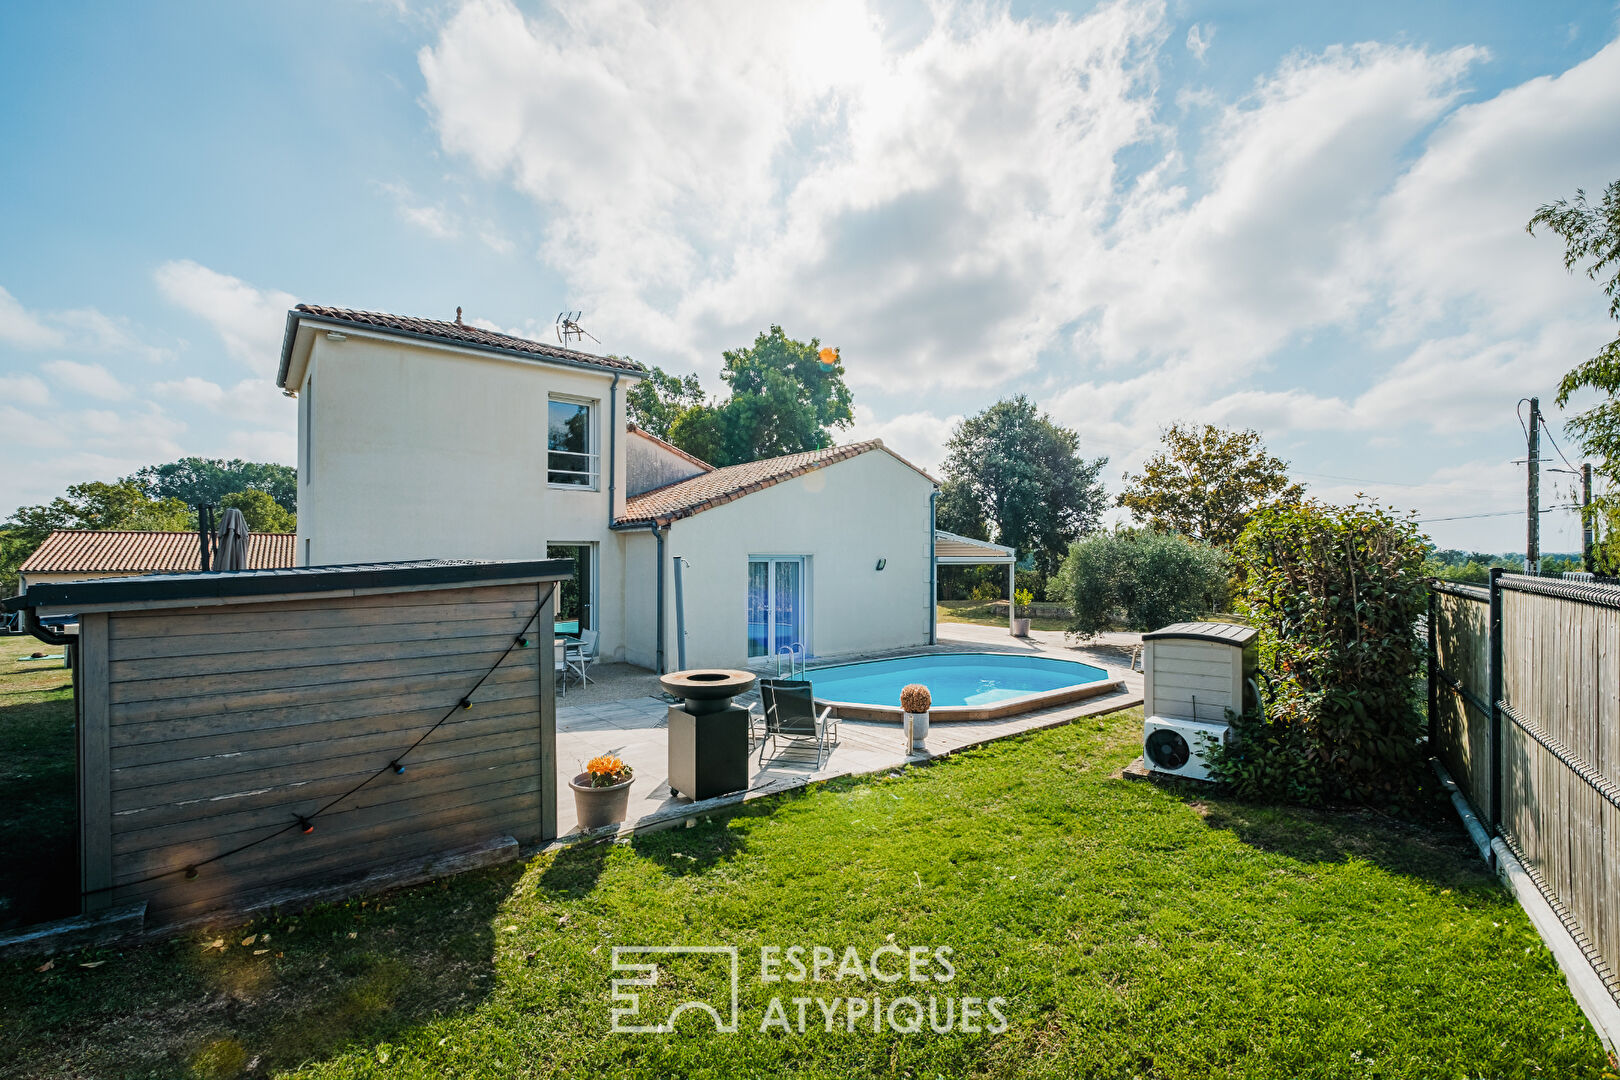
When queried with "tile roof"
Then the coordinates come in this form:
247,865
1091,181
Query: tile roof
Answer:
69,551
696,494
665,444
458,333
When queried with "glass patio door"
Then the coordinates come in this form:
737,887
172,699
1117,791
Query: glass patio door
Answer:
776,605
575,610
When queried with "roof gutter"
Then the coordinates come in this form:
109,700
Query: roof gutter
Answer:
32,625
294,317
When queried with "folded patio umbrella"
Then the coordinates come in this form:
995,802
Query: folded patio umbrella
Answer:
233,541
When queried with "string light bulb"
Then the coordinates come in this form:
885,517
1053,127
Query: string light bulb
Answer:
398,767
305,825
191,873
466,703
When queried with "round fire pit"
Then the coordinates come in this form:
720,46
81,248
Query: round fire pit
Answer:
707,690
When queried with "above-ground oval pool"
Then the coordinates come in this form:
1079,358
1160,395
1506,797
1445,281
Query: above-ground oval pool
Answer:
964,686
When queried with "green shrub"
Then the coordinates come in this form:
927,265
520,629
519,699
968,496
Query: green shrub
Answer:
1136,579
1336,593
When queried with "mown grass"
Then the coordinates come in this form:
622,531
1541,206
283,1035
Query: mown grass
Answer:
38,800
981,613
1134,930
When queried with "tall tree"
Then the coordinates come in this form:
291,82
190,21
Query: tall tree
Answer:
1592,242
959,511
1026,476
205,481
784,400
656,401
1206,482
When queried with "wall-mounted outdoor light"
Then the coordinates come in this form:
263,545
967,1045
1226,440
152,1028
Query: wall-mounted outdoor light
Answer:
882,563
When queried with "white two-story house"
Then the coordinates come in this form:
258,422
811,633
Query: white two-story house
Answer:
426,439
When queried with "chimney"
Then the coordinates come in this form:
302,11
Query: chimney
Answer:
458,314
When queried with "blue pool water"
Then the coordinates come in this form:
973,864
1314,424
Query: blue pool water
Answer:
951,678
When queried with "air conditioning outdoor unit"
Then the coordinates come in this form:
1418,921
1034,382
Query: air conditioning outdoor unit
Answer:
1177,747
1193,674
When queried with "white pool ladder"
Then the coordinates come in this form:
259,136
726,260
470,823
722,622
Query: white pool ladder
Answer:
795,660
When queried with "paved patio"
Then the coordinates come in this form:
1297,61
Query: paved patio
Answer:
621,713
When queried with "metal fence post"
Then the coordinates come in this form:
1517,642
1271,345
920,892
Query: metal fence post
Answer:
1495,683
1434,663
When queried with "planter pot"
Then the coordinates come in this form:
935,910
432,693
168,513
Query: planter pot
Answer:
917,724
599,806
1020,628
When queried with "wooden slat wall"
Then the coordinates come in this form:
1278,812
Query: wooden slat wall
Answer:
218,725
1561,671
1463,732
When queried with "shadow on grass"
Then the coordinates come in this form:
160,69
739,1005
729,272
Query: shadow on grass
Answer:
574,871
38,813
682,851
1434,850
275,993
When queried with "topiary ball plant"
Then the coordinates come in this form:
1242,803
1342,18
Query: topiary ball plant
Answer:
915,698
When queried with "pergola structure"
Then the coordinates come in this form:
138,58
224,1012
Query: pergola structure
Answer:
953,550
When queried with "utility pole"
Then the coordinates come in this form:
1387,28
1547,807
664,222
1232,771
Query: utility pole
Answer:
1586,518
1532,540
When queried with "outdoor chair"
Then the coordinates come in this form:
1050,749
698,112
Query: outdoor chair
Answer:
791,717
583,654
561,647
757,711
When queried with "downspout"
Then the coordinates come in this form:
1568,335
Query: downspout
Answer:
658,536
933,568
32,625
613,443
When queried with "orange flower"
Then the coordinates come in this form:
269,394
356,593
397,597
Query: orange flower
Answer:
605,765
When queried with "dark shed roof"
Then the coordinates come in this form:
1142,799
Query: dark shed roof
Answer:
253,584
1219,632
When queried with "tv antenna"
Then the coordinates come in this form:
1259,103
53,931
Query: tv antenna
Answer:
569,330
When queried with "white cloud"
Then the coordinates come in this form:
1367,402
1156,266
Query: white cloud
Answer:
249,320
90,379
431,218
23,390
24,329
918,437
1199,38
249,399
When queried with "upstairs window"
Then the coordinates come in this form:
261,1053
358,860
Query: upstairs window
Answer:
571,438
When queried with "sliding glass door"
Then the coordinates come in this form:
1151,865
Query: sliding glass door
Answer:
776,605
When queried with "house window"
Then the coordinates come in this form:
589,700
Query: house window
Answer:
570,439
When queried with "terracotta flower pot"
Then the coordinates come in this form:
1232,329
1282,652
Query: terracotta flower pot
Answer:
600,806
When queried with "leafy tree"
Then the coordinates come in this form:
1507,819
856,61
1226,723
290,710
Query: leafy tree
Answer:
206,481
655,402
1335,592
783,401
263,513
959,512
1025,476
1206,482
1592,241
95,505
1137,579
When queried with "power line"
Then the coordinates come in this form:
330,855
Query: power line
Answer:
1494,513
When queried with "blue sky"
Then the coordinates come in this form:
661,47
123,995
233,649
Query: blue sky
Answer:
1303,218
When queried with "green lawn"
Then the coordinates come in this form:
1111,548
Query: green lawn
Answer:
1134,931
981,613
38,804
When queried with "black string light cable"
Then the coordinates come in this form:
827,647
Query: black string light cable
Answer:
305,823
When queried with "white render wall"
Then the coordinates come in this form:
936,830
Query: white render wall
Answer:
426,451
844,517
